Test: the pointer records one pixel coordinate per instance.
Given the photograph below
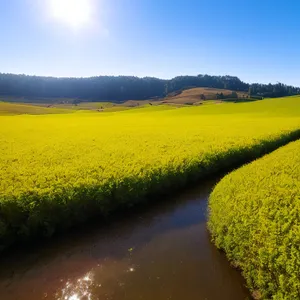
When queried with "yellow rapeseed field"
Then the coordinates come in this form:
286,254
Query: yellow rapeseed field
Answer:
255,218
61,169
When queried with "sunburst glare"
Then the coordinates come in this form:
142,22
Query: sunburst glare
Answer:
74,13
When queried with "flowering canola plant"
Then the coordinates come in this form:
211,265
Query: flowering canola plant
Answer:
58,170
255,218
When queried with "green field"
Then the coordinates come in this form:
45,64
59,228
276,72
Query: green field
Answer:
7,108
255,218
58,170
21,109
193,96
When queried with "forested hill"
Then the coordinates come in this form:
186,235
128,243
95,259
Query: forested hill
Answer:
121,88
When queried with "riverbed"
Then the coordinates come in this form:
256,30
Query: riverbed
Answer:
161,252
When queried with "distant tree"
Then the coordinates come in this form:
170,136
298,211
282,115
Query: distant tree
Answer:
249,91
220,96
234,95
121,88
202,97
76,102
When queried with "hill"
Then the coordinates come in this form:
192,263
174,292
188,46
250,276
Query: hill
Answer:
195,95
191,96
38,89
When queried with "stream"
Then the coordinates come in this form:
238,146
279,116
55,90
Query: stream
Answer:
160,252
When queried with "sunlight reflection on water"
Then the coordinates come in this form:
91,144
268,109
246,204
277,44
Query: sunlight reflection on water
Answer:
87,286
79,290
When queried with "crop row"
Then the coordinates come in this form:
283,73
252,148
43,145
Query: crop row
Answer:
255,219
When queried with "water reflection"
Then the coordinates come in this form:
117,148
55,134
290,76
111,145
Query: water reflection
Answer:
162,253
102,282
81,289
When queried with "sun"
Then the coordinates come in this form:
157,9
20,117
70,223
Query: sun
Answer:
74,13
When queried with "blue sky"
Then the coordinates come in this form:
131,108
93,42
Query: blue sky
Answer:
257,40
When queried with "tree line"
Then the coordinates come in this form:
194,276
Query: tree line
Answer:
121,88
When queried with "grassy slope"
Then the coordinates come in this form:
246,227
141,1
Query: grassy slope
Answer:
193,95
86,105
189,96
7,108
255,218
19,109
58,170
95,106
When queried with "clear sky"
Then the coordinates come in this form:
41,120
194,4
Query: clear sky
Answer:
257,40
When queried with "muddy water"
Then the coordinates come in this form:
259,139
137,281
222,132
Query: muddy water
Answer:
163,253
